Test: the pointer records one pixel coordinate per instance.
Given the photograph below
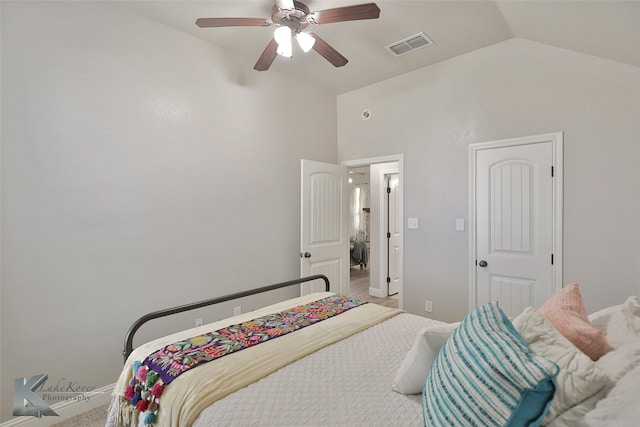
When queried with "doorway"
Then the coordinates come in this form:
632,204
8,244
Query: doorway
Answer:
360,210
372,282
359,232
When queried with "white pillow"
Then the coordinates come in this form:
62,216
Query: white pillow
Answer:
413,371
601,318
619,323
578,378
617,363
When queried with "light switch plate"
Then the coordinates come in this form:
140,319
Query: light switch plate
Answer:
412,223
459,224
428,306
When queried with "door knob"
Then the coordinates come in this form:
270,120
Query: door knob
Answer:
483,263
306,255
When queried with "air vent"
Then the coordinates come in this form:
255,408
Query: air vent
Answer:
409,44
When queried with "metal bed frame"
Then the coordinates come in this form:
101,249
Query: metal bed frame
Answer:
128,340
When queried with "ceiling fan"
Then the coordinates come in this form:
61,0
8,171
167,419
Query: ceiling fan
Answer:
291,17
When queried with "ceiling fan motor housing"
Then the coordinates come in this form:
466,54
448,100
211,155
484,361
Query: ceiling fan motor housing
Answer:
294,19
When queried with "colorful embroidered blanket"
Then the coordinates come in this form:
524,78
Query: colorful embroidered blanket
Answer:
164,365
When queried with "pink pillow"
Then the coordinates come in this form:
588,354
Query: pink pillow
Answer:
565,310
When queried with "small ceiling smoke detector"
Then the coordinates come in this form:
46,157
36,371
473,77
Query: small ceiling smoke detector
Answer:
409,44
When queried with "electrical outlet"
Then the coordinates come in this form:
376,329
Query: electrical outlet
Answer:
237,310
428,306
199,321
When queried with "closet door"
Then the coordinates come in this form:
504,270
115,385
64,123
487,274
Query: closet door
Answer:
516,223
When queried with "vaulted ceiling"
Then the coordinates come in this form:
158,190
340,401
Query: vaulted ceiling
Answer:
606,28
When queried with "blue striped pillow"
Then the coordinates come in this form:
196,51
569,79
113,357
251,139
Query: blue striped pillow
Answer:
485,375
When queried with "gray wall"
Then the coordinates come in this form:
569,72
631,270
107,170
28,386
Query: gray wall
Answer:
515,88
140,169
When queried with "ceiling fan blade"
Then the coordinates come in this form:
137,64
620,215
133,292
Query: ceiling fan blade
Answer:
329,53
346,13
285,4
232,22
268,56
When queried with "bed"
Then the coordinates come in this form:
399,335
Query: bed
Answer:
368,365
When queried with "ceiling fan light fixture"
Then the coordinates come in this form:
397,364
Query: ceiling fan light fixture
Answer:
306,41
282,35
285,49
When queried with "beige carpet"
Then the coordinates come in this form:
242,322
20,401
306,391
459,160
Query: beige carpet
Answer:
94,418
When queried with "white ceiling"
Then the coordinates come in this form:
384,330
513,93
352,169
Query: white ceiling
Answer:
605,28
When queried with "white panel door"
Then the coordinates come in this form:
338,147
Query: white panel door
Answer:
395,225
514,226
324,247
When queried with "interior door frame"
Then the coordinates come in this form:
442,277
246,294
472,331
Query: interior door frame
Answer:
557,143
399,158
386,226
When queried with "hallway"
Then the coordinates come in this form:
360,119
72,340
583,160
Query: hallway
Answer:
359,288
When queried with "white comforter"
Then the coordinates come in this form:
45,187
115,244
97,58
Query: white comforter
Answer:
621,407
345,384
616,404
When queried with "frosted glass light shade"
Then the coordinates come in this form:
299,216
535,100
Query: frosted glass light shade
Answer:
306,41
282,35
285,49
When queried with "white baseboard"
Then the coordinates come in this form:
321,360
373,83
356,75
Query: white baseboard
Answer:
69,408
375,292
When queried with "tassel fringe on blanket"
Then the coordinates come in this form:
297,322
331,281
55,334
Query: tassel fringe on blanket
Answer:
125,414
144,392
